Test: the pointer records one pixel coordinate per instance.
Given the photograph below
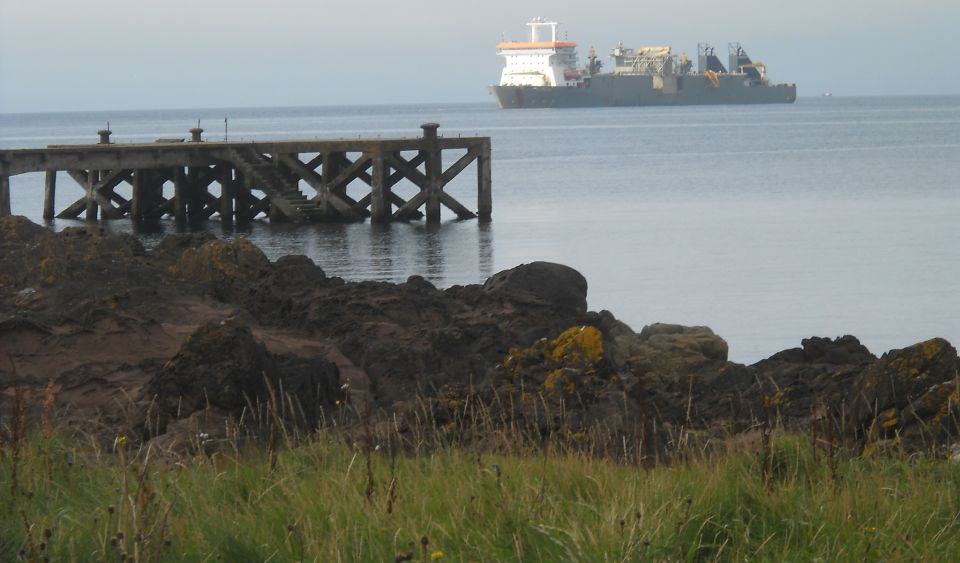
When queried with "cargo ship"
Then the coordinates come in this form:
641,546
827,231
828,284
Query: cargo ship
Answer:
545,72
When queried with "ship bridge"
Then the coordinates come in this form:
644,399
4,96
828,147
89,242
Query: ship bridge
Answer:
543,60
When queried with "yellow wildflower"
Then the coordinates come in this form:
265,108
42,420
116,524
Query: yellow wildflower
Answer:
438,554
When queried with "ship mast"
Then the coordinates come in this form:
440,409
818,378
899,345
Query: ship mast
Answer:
536,23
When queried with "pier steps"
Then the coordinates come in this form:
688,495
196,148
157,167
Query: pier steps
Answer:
261,173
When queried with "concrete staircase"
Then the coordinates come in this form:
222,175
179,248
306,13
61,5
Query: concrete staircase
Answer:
281,190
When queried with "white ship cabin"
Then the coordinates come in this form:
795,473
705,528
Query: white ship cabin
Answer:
541,61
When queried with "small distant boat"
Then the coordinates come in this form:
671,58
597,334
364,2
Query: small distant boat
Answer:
827,94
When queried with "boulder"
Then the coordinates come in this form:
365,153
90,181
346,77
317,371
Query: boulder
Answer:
225,268
816,350
172,246
541,283
17,230
220,365
814,377
910,387
666,349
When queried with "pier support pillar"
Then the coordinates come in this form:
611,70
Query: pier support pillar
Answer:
379,202
4,195
49,194
179,195
241,197
226,194
93,177
193,194
136,201
484,183
434,168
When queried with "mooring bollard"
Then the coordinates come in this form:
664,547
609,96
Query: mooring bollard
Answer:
195,135
430,130
104,136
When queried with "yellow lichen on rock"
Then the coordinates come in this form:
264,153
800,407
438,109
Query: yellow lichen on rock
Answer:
559,380
889,418
914,366
582,344
578,347
561,367
221,261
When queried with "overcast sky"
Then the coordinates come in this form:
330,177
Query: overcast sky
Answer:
60,55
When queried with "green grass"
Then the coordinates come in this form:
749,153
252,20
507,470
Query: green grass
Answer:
313,506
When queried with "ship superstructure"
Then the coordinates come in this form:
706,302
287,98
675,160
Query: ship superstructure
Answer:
539,61
546,73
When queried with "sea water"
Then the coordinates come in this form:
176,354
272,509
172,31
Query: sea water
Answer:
768,224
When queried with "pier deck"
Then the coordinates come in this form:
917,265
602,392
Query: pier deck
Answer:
296,180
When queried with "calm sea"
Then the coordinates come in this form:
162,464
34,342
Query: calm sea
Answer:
769,224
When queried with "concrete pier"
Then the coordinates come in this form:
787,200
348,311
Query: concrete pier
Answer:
295,180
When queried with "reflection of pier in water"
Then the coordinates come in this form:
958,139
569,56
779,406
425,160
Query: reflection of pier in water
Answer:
446,254
296,181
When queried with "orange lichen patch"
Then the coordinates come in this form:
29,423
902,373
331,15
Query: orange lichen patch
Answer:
579,348
889,418
533,355
560,380
916,365
578,345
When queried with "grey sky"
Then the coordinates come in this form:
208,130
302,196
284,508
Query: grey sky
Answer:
59,55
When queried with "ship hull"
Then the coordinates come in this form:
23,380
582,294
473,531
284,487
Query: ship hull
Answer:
608,90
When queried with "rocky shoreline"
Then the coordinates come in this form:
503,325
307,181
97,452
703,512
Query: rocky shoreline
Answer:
162,344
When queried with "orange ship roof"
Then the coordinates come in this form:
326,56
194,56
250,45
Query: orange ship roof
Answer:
536,45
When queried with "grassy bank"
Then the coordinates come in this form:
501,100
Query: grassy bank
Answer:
327,501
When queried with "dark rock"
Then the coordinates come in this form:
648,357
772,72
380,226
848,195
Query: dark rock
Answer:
225,268
816,350
541,283
313,383
419,284
172,246
298,272
521,347
920,378
220,365
18,230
